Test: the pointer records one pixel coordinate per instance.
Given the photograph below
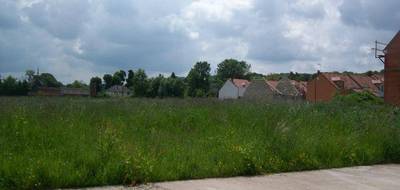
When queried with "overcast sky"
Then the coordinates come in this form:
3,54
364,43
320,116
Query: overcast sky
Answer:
78,39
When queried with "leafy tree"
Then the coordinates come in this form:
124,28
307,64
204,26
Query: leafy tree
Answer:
231,68
10,86
49,80
155,89
29,75
129,80
175,87
77,84
173,76
198,80
95,86
140,83
119,78
108,80
254,76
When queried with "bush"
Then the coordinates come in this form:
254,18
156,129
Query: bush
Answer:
359,98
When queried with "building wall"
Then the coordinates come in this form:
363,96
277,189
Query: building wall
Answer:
258,89
228,91
320,90
241,91
392,72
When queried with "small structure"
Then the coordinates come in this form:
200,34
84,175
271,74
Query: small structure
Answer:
260,90
326,85
74,92
233,89
392,71
46,91
118,91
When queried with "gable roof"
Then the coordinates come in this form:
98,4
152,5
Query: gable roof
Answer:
272,84
354,82
241,83
348,82
367,83
391,43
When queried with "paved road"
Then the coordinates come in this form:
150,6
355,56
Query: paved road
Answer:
380,177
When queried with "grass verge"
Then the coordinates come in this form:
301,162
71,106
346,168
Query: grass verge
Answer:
80,142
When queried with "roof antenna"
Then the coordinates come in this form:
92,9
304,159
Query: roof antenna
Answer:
379,52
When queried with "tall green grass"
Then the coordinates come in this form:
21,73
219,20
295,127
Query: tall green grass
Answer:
80,142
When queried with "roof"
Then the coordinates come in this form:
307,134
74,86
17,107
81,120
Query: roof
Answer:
356,82
272,84
367,83
300,86
241,83
395,38
348,82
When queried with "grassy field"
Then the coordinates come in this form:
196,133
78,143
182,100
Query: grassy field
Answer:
79,142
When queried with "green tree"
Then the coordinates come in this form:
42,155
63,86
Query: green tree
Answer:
231,68
119,78
140,83
175,87
108,81
10,86
155,87
45,80
29,75
77,84
95,86
173,76
198,80
129,80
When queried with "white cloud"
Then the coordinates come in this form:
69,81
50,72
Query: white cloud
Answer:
77,39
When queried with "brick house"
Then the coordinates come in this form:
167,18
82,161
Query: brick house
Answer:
326,85
392,71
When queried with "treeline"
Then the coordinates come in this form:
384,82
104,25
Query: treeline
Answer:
11,86
198,83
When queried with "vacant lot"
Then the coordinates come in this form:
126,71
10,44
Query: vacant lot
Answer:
76,142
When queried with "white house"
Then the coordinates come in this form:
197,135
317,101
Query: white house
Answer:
233,89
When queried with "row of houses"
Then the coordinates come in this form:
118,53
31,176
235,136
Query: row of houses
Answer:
322,88
326,85
262,89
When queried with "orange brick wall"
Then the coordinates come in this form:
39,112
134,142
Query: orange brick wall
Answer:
392,72
320,90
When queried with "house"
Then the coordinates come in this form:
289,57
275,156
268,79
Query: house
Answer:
326,85
289,88
46,91
74,92
260,89
392,71
371,84
233,89
118,91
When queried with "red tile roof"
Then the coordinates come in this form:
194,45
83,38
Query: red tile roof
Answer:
272,84
357,83
366,83
348,82
240,83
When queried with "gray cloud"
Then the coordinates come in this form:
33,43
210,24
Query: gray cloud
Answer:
383,15
76,39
